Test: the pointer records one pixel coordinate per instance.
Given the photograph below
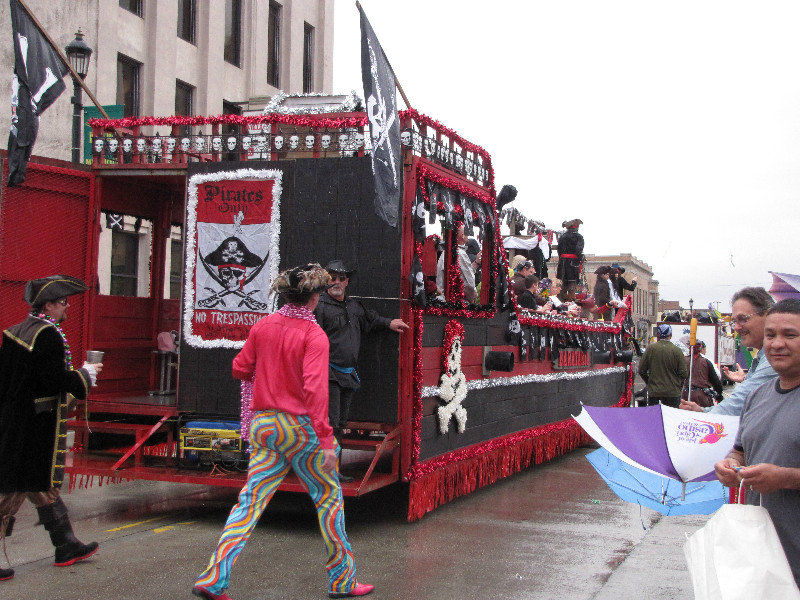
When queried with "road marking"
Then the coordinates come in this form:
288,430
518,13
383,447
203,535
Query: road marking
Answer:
134,524
168,527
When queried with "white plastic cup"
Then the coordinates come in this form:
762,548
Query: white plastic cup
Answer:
94,356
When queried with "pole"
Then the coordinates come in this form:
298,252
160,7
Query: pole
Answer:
76,78
77,110
396,80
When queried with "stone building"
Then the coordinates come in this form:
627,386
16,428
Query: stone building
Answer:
162,58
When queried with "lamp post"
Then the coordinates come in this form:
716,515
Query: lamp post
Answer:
78,53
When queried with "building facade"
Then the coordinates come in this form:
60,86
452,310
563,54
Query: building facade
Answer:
168,57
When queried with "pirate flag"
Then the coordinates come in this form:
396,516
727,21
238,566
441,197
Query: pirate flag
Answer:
433,196
446,196
478,206
38,73
514,329
466,206
523,344
418,220
384,123
417,279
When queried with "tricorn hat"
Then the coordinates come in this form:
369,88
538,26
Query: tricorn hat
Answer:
507,194
572,224
232,250
617,268
50,289
338,266
305,279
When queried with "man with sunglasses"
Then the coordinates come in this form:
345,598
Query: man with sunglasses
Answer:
344,319
749,308
37,383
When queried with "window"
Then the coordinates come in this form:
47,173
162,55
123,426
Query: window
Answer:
125,253
184,103
230,108
128,85
175,266
233,31
308,59
186,20
124,263
274,45
134,6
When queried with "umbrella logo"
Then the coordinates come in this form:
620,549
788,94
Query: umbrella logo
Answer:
700,432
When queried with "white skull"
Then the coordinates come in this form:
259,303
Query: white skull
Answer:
309,141
278,142
294,142
405,137
459,162
246,143
430,147
344,141
141,145
98,145
185,144
231,143
170,144
199,143
325,141
417,142
259,143
216,144
113,145
468,167
157,145
359,140
127,144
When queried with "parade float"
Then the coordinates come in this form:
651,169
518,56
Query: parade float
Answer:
179,224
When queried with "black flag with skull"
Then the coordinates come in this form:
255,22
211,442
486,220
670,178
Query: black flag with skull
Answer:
38,73
384,123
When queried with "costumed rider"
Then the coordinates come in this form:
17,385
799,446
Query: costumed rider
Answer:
570,257
37,384
344,319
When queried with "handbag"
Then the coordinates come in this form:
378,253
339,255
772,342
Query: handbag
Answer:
737,555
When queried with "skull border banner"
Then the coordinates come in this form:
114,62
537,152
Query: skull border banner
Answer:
232,254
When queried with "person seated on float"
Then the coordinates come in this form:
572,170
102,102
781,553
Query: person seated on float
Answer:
530,298
560,304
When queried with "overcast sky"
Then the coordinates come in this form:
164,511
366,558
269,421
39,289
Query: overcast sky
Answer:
672,129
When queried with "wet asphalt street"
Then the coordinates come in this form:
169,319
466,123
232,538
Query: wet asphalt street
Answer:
552,532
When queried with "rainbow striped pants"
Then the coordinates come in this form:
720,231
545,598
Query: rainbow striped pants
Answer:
279,440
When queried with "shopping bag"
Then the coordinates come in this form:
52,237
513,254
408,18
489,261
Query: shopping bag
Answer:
737,555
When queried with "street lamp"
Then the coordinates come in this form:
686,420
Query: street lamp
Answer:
78,53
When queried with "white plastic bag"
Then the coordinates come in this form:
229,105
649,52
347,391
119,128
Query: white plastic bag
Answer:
737,555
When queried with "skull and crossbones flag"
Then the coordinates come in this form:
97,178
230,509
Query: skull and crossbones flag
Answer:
38,73
384,123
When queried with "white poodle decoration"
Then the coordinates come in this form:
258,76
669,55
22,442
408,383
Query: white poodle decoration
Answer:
453,384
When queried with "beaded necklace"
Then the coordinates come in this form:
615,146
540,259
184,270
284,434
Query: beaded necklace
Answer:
67,351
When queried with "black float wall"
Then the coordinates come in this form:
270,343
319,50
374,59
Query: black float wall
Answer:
326,212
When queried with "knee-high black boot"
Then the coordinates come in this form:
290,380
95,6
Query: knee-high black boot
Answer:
6,526
69,549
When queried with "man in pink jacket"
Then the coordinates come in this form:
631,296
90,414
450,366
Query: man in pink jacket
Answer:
287,352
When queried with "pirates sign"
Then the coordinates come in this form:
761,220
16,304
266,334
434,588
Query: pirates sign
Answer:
232,235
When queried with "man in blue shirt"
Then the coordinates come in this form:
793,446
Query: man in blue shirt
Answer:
749,308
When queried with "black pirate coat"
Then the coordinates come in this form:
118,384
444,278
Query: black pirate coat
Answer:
35,386
569,267
344,322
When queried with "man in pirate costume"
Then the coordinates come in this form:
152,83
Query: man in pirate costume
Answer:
37,382
344,319
570,257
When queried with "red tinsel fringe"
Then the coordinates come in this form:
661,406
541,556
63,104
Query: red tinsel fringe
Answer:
87,481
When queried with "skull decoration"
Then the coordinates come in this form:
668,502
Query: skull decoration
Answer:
170,144
216,143
359,140
246,140
141,145
157,145
405,137
294,142
278,142
468,167
199,143
417,139
430,147
186,143
98,145
260,143
113,145
344,142
325,141
309,141
127,145
230,143
459,162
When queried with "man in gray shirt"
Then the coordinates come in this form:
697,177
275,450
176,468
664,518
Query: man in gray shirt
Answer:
768,441
749,308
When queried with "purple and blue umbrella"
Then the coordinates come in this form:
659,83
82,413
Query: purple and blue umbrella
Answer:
664,456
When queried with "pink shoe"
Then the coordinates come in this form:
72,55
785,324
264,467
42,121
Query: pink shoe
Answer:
199,590
359,589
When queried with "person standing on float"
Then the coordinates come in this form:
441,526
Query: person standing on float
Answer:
37,383
287,353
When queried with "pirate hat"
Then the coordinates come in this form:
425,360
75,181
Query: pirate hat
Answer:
573,224
617,268
50,289
229,245
303,280
338,266
602,270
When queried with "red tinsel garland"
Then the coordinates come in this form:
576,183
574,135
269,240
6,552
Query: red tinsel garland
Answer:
416,387
424,172
468,146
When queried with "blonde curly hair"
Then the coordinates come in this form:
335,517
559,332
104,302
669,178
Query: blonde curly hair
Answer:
298,284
